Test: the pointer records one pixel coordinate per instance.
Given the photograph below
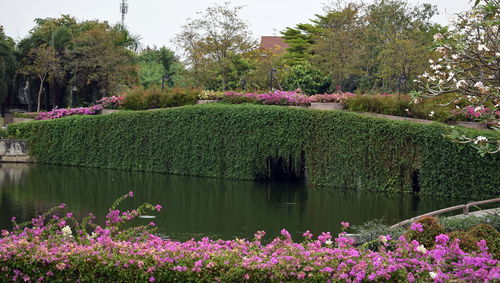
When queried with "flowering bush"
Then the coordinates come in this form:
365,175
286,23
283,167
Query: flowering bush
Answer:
478,113
59,248
334,97
63,112
277,97
111,102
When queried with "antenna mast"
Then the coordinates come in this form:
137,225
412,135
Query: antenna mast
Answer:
123,10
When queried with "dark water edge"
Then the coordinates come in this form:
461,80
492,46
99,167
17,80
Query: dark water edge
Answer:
194,207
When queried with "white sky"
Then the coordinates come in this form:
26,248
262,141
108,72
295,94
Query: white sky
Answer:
158,21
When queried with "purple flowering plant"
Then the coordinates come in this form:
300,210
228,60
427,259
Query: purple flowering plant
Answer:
54,248
63,112
110,102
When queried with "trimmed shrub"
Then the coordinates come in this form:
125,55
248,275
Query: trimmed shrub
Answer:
140,99
426,235
335,148
468,243
490,235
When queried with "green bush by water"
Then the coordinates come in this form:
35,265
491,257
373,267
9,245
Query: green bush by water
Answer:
335,148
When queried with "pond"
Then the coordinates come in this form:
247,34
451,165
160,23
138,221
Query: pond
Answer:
195,207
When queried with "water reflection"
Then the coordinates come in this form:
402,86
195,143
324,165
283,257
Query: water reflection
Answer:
197,207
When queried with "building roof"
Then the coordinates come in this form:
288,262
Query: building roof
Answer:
275,44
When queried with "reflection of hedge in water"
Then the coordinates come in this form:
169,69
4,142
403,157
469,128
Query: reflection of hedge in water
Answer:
237,141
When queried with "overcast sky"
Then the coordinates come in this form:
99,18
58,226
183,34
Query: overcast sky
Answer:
157,21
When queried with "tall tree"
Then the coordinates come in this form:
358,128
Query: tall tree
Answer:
7,65
42,63
211,42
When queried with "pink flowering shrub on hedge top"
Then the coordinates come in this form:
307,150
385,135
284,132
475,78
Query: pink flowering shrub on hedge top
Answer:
63,112
277,97
334,97
59,248
110,102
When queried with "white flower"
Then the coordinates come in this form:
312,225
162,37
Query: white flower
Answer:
432,274
479,85
425,75
431,114
383,239
66,231
431,62
497,54
482,47
480,139
421,249
454,56
438,36
328,242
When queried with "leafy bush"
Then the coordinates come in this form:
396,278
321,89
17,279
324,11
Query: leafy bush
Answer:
56,247
470,238
3,133
306,78
425,230
380,103
133,100
211,95
140,99
467,222
490,234
336,148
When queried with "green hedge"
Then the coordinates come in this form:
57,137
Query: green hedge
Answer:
337,149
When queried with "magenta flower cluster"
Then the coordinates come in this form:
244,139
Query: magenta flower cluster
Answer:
334,97
51,249
274,98
63,112
292,97
111,102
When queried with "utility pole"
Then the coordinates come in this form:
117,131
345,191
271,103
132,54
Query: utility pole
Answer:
123,10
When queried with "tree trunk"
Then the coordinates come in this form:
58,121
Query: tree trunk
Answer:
40,95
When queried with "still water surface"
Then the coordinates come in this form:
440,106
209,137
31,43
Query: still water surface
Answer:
195,207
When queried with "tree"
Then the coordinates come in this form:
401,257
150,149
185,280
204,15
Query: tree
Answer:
212,41
97,62
338,48
42,63
306,78
156,64
469,67
95,57
7,65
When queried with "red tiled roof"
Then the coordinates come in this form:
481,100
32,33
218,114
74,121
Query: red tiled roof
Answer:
273,44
